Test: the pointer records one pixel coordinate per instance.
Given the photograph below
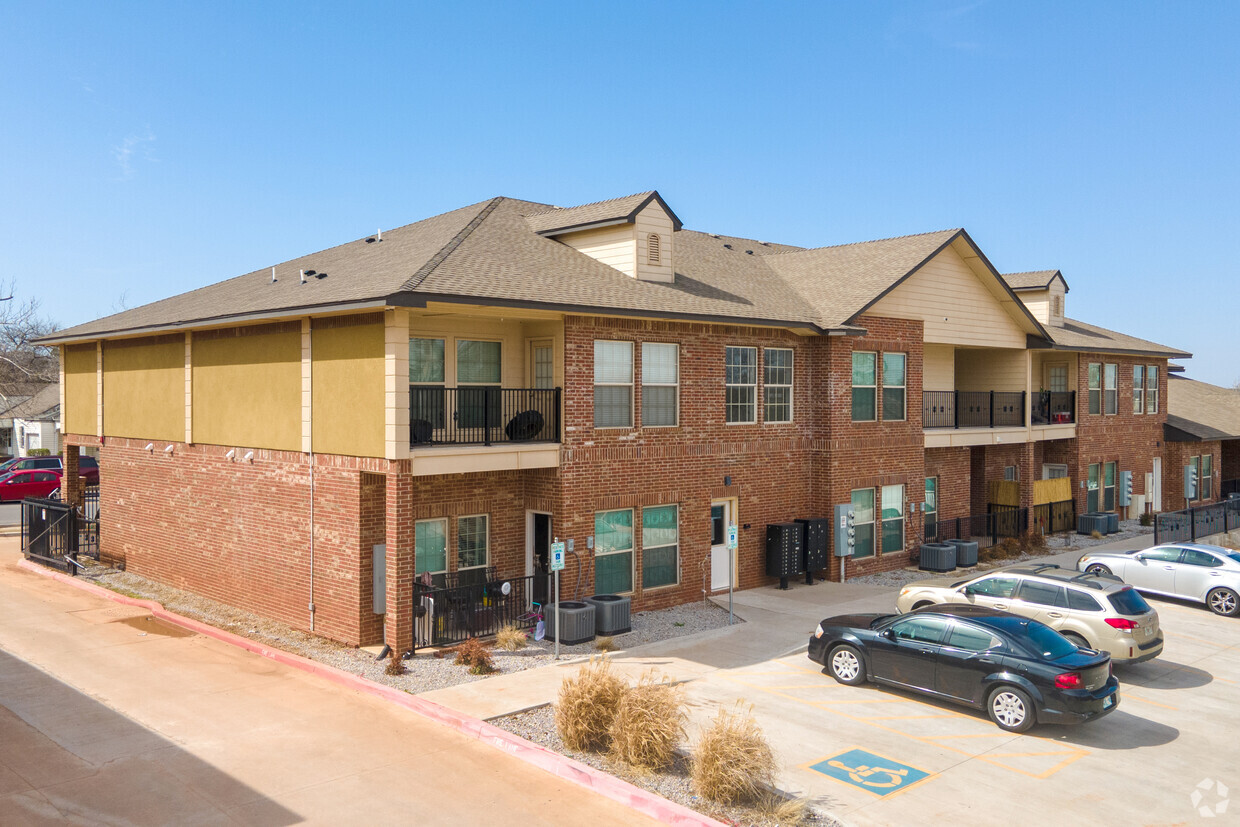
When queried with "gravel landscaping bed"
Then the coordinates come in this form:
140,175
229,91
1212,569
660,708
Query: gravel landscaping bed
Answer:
1056,544
538,726
424,672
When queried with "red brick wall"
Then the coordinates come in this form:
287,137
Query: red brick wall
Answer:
951,466
1177,455
1126,438
1230,465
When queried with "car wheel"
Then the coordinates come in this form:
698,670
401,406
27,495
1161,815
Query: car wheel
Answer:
1079,640
1223,602
1011,709
846,666
1097,568
921,604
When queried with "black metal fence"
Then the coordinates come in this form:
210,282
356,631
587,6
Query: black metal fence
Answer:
50,533
88,523
443,616
483,415
987,529
1052,518
1193,524
972,409
1053,407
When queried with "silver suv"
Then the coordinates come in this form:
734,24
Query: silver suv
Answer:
1093,610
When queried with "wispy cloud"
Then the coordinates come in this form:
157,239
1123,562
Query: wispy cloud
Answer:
135,147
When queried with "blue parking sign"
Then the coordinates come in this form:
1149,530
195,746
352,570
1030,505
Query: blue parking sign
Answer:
870,772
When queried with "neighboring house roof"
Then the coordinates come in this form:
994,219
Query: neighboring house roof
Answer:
1201,411
1080,336
44,406
624,210
499,252
1034,280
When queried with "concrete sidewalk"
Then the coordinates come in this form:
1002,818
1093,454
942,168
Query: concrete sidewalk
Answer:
110,716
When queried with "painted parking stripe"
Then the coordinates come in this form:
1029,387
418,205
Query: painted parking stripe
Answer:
875,774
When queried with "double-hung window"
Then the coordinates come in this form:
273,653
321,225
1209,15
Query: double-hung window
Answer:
472,542
478,368
613,551
1095,387
893,386
864,387
660,377
863,522
1151,389
893,518
613,384
1108,487
1194,465
1110,389
1138,389
426,388
1207,477
1092,486
741,385
932,507
777,381
430,549
660,543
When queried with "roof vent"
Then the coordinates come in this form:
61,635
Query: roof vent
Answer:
727,246
303,276
273,275
749,252
652,248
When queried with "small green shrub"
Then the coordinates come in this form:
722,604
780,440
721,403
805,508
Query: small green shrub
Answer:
40,452
1146,519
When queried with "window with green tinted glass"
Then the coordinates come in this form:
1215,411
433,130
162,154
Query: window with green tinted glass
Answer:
893,518
932,507
864,386
478,367
660,545
893,386
1095,387
1108,486
1110,388
613,551
1092,488
1207,476
426,387
430,546
863,522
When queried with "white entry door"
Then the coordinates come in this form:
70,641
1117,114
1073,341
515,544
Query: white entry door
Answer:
1156,492
721,517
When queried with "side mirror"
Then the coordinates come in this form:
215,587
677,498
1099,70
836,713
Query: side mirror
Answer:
969,590
889,634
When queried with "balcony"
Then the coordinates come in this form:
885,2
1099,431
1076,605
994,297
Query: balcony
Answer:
973,409
962,418
483,415
1054,408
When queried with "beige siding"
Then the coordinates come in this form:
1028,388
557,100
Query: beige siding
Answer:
513,336
1057,313
614,246
1039,304
939,368
1042,360
990,370
654,220
956,307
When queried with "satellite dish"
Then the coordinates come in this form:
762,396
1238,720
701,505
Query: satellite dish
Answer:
505,589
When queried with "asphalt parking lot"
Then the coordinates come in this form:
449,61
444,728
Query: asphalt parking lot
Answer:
879,756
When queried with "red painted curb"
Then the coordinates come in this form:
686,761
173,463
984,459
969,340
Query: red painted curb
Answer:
668,812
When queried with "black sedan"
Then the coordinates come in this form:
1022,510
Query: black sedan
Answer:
1020,671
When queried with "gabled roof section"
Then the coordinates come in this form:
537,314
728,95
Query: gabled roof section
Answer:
1079,336
1201,410
1034,280
38,407
559,220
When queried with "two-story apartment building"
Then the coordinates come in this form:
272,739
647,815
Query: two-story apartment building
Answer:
448,397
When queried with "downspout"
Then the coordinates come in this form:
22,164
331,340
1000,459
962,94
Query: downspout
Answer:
310,379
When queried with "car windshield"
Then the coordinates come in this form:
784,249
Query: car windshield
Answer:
1234,555
1129,602
1048,642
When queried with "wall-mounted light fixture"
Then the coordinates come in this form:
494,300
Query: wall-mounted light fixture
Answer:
150,446
232,452
168,450
249,457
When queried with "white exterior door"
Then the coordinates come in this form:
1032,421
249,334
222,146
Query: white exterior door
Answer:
721,517
1156,488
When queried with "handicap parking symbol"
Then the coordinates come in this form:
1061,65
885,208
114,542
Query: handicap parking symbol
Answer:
871,772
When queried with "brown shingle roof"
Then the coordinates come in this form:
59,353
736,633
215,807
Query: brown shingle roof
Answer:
615,210
1077,335
1203,410
1034,279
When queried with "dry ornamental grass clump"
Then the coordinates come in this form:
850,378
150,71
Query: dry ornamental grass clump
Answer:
510,639
587,705
1095,534
733,763
603,643
476,656
649,723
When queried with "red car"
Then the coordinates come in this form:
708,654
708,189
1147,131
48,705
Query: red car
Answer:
17,485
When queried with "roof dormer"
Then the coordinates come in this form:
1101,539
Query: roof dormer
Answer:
634,234
1043,293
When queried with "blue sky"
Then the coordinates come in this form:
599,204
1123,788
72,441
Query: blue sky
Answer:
148,149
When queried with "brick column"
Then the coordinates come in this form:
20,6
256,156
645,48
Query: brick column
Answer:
1027,473
71,489
398,519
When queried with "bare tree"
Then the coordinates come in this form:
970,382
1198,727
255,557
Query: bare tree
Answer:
25,366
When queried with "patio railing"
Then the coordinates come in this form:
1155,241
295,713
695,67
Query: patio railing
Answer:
482,415
443,616
1053,408
972,409
1193,524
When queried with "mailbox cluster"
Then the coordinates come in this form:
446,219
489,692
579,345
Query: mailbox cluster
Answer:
796,547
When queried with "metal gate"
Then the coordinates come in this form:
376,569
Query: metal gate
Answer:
50,533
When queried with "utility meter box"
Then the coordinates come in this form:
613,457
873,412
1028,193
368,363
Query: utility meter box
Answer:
844,530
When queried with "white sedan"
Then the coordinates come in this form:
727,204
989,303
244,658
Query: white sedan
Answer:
1192,571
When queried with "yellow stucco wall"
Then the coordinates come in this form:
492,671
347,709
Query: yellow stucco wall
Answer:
81,414
347,370
144,388
247,387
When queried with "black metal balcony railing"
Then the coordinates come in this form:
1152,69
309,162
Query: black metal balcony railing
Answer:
972,409
1053,408
482,415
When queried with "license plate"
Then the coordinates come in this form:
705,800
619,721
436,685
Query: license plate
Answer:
1108,701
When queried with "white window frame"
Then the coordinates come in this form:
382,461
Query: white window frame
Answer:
1138,390
875,521
1205,478
496,415
1011,473
675,386
675,545
767,384
631,550
903,387
1110,388
853,386
883,521
598,384
753,400
486,549
1151,389
1092,389
1054,470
